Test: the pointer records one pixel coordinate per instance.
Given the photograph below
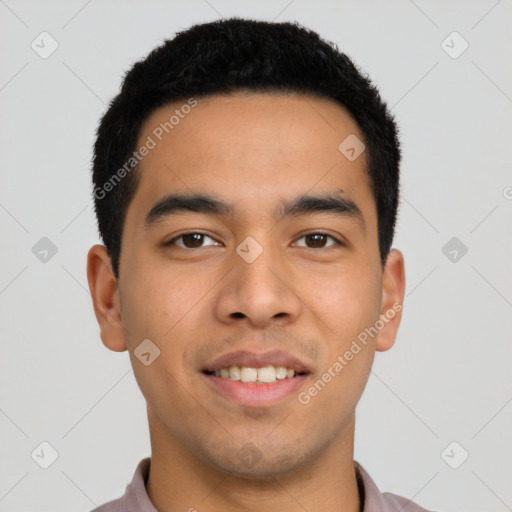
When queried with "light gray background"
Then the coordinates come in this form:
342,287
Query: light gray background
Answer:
448,376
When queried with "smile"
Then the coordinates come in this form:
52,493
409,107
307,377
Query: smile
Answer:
256,379
255,394
264,375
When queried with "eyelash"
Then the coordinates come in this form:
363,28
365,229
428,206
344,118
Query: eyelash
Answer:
336,241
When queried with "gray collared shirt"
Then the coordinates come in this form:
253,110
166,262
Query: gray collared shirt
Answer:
135,498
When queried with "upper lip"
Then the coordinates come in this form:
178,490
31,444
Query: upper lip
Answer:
258,360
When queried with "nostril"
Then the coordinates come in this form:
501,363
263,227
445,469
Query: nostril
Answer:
237,315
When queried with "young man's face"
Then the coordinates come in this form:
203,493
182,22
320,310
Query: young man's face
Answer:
254,285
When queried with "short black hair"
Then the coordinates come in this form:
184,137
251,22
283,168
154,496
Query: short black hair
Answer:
224,57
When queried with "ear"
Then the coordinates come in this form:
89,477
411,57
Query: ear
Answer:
393,290
105,298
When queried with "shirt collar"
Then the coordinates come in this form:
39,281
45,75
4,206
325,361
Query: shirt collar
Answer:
136,497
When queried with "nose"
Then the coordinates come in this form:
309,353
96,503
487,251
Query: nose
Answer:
258,293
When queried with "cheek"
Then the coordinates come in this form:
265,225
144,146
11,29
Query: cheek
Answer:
159,306
348,303
166,306
333,395
346,299
159,300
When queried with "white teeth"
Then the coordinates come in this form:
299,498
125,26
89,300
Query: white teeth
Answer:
281,372
234,373
266,374
249,374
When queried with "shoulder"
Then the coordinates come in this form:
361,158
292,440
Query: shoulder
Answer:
112,506
375,501
405,505
135,496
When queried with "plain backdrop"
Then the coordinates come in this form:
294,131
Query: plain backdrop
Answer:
446,380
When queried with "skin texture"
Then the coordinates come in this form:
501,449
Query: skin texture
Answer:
253,150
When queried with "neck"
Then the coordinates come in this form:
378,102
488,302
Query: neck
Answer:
179,481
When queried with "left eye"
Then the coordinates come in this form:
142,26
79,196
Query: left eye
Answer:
191,240
318,240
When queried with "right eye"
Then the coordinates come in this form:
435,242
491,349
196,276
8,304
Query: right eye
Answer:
193,240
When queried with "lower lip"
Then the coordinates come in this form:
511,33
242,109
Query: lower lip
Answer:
252,394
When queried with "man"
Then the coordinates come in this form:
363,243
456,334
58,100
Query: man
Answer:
246,183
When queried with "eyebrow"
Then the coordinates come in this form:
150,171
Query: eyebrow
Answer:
303,205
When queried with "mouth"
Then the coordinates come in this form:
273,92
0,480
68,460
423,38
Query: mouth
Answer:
256,379
263,375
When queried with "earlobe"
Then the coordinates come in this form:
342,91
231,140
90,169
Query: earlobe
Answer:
105,298
393,290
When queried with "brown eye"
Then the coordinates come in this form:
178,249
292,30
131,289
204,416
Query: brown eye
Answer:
318,241
191,240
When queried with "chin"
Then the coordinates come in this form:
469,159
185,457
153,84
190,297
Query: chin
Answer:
251,463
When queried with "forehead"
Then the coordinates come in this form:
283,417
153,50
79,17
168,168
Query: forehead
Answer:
250,148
